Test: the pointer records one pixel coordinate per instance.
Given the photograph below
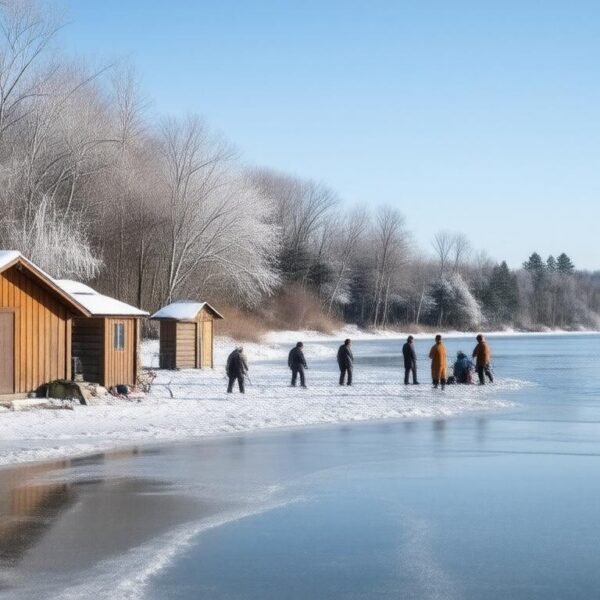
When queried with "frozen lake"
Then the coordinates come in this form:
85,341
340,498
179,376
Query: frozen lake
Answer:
490,505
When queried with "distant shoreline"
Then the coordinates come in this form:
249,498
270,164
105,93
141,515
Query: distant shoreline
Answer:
355,333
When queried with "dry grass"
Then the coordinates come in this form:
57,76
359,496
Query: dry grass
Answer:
293,309
298,309
241,325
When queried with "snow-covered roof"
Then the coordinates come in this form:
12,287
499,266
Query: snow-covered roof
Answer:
82,297
98,304
76,287
8,256
183,311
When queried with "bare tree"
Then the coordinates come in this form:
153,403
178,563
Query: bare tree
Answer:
302,212
26,31
461,250
346,235
443,243
211,218
391,252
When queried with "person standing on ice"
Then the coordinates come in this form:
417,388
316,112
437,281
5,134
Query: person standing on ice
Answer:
345,360
483,356
410,360
297,363
237,367
439,362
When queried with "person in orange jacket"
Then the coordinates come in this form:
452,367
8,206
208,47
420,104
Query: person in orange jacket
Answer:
439,362
483,356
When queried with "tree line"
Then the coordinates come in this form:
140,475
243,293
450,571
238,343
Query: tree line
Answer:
151,210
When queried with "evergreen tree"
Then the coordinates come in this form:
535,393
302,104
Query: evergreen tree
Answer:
564,264
534,264
501,295
551,264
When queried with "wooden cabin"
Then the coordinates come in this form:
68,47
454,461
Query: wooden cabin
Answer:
105,343
42,321
36,318
187,335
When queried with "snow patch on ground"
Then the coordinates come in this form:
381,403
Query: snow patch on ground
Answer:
189,404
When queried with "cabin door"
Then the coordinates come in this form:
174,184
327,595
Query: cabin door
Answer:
7,353
207,345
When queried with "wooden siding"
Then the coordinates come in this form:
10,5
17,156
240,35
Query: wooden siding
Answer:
186,345
7,351
88,347
41,331
120,365
206,343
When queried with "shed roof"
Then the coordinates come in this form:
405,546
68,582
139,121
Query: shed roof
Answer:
84,299
184,311
10,258
97,304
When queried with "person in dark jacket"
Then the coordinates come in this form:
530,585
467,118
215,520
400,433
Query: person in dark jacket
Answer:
463,368
297,363
236,368
410,360
345,360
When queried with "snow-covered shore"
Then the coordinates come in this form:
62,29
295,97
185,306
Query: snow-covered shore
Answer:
191,404
355,333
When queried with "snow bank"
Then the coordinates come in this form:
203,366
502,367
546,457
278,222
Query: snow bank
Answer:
190,403
355,333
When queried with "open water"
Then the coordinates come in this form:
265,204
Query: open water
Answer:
493,505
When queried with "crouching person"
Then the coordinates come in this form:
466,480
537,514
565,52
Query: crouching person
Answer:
463,369
237,367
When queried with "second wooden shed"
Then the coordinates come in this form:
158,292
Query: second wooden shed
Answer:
105,342
187,335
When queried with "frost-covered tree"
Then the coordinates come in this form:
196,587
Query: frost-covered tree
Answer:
465,311
214,220
303,212
455,305
93,186
59,245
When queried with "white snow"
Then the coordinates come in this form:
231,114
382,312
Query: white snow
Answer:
189,404
97,304
8,256
355,333
182,311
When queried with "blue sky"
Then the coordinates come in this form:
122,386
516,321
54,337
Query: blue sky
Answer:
481,117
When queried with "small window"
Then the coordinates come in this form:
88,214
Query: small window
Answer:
119,336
